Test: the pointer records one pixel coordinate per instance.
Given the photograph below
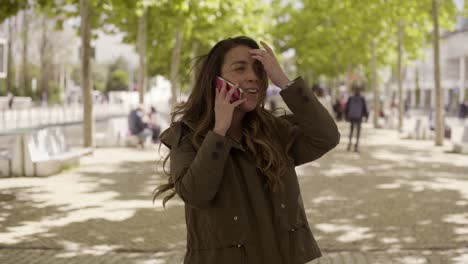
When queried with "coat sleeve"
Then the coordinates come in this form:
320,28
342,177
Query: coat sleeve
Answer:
196,174
313,128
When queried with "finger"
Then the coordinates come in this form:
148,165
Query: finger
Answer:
259,52
222,92
217,91
267,48
239,102
231,92
259,58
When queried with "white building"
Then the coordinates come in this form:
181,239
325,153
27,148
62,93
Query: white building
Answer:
418,82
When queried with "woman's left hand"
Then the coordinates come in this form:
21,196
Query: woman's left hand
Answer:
273,69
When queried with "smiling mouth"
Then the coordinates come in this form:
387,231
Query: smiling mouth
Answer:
251,91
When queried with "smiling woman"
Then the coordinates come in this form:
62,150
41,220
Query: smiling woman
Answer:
232,161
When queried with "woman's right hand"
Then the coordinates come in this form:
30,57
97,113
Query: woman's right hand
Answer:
224,109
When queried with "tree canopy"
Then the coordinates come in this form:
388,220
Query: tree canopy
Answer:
331,36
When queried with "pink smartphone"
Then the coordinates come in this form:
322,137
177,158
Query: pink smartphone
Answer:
219,83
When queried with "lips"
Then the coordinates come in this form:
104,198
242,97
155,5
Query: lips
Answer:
251,90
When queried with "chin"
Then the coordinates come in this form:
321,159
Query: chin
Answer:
248,106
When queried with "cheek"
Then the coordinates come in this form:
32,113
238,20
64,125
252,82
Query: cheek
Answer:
248,106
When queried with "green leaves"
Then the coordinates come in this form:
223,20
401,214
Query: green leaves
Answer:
10,8
331,36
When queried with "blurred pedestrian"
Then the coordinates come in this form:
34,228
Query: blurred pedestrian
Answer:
154,124
10,98
339,107
137,126
463,110
356,111
323,98
232,162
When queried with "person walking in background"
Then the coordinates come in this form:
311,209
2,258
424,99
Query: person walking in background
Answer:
355,111
323,97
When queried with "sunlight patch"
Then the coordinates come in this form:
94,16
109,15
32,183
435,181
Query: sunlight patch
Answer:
328,198
351,233
395,185
409,239
411,260
389,240
463,259
342,170
425,222
75,249
77,201
461,231
461,219
433,158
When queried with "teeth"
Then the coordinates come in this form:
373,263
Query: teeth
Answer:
251,91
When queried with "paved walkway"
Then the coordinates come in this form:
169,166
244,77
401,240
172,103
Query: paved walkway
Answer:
397,201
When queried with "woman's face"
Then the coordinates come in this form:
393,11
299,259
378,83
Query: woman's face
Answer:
239,68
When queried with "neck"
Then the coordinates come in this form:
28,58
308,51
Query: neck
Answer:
235,130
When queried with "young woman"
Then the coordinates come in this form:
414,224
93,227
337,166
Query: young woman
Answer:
232,162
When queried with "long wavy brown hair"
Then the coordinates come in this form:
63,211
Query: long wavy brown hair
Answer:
260,127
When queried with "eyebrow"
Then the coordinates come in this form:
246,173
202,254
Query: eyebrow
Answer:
239,62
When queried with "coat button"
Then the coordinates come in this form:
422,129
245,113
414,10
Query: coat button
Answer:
283,205
292,229
219,145
236,218
239,245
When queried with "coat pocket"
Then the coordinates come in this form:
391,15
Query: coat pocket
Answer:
302,244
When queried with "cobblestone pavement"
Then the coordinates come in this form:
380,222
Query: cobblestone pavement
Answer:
396,201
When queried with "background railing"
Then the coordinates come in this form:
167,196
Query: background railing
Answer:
11,119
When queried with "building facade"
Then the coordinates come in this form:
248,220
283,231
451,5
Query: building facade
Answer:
418,82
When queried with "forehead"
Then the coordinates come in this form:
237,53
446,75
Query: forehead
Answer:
238,53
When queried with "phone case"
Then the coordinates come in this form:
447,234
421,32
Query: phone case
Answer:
219,83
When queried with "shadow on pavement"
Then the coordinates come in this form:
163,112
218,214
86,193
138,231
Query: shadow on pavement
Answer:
390,196
393,195
96,210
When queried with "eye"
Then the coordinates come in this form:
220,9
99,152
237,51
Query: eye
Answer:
239,69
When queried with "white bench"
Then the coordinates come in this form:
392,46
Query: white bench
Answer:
417,128
461,145
46,152
7,145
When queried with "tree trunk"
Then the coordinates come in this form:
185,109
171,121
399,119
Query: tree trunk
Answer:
9,75
399,76
85,13
142,34
25,36
43,61
439,115
193,76
176,52
375,86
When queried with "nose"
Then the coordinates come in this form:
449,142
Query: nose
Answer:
251,75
